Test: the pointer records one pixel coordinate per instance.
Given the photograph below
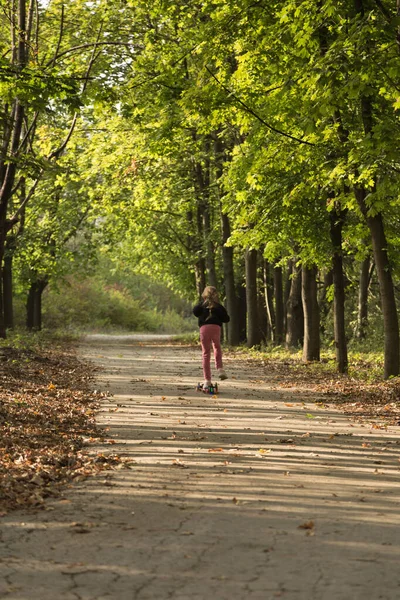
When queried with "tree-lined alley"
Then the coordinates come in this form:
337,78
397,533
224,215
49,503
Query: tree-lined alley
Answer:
241,144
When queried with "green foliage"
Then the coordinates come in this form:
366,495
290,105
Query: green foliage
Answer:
92,304
193,110
365,364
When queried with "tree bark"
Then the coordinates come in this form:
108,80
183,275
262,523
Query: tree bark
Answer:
386,288
8,292
324,304
279,308
269,298
203,188
337,218
232,304
34,305
398,28
229,284
362,318
193,246
11,139
242,311
295,315
253,330
311,347
210,253
286,293
262,309
30,307
200,275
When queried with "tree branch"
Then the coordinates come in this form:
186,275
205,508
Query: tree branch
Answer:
29,195
386,13
257,116
173,64
28,132
89,45
73,231
56,153
60,36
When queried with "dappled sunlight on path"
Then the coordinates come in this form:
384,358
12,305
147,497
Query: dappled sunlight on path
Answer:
257,493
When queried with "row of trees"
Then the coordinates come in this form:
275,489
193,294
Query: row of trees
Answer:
273,130
54,58
237,144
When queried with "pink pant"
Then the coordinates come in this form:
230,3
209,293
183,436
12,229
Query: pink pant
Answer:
210,334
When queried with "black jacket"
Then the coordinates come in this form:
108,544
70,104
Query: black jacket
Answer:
210,316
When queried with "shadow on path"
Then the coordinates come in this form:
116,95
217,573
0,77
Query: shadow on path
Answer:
257,493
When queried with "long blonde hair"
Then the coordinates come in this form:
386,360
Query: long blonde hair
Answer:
210,296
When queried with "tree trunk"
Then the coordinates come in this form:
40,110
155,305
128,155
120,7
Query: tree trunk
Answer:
229,283
34,305
210,253
311,347
362,318
269,299
262,309
200,274
279,308
286,293
41,286
232,304
262,317
8,292
193,248
295,315
242,311
379,246
253,331
337,218
30,307
324,303
37,311
202,177
384,274
11,139
398,28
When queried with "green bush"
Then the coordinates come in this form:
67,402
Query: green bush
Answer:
90,304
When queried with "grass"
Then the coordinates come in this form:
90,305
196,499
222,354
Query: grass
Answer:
364,365
188,338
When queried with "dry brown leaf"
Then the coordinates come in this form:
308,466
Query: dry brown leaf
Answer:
307,525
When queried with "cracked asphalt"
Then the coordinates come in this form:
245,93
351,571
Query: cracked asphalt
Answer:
256,494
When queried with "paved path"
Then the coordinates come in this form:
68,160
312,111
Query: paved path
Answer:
256,494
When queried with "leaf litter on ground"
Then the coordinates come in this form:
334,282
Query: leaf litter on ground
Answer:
47,415
47,419
365,398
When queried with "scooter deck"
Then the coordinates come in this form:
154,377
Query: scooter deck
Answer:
212,390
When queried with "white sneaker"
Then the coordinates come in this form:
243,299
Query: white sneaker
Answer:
222,375
206,386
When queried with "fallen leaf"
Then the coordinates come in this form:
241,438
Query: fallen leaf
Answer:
307,525
179,463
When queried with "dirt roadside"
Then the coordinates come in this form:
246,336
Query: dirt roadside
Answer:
256,494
